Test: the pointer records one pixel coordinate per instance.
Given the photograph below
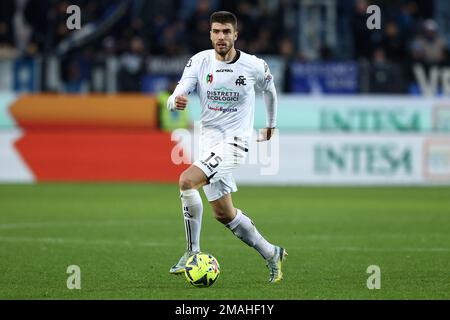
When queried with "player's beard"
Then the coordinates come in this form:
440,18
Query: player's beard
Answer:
223,51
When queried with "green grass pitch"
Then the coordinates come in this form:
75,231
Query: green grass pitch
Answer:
125,237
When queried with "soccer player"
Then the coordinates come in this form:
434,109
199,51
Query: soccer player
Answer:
225,79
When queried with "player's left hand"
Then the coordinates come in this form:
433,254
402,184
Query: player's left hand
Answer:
265,134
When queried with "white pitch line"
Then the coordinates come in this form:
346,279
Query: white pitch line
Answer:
368,249
81,241
36,225
325,237
168,244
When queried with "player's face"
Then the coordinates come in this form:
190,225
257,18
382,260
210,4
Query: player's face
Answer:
223,37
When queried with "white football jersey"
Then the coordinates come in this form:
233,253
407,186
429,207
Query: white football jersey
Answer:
226,92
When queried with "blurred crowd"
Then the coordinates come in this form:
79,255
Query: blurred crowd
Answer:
163,27
174,27
409,32
171,28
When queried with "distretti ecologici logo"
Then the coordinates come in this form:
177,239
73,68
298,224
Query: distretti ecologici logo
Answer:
222,99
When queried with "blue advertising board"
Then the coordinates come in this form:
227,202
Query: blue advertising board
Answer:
325,77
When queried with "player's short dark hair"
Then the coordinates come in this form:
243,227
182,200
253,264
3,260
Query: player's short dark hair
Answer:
224,17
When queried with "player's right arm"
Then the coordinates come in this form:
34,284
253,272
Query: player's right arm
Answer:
266,84
188,82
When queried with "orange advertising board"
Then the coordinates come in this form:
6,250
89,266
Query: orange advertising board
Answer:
93,111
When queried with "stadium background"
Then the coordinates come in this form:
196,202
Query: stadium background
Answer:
357,107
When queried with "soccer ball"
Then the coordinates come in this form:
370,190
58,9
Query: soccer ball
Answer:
202,270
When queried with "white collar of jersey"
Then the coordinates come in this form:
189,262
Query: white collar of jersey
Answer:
233,60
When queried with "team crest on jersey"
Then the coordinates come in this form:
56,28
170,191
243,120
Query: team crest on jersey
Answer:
209,78
241,81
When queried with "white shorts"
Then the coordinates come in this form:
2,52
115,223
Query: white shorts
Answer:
218,164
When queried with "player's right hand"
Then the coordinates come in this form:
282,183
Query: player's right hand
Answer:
181,102
265,134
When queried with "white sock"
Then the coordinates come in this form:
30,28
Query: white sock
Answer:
244,229
192,212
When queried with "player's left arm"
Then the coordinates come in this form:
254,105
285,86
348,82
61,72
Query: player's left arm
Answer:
266,84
